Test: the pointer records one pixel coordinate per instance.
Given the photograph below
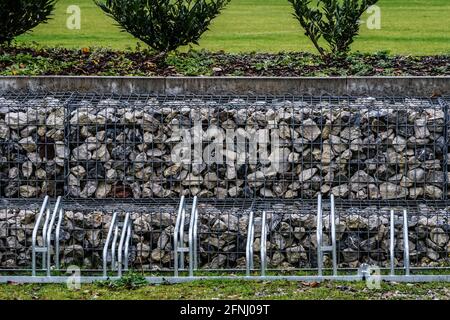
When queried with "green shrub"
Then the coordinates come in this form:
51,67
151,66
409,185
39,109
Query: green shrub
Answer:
335,21
164,25
20,16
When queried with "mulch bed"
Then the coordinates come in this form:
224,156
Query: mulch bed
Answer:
20,60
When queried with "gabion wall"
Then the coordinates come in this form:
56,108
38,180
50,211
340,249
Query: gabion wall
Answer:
120,151
362,236
122,147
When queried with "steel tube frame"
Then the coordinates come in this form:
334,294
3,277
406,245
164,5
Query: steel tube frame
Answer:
56,210
34,236
263,244
121,244
319,236
108,240
192,237
392,243
249,244
57,236
113,247
175,235
181,238
127,245
333,235
406,242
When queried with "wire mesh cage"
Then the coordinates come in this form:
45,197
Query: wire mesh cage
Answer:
141,146
362,235
33,146
256,164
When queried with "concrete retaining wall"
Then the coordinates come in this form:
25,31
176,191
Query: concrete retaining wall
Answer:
338,86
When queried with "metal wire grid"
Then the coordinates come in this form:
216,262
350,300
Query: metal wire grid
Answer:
32,144
362,234
133,153
211,254
150,160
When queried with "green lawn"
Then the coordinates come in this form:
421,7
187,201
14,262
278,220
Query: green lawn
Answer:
232,290
416,27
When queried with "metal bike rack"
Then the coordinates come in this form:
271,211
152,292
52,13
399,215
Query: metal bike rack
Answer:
124,228
118,241
406,260
263,244
249,245
327,248
47,235
179,247
249,250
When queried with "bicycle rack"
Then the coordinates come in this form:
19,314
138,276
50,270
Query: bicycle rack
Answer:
47,235
250,242
249,246
179,247
320,247
406,260
116,248
124,228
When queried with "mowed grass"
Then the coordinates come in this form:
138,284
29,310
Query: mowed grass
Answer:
231,290
411,27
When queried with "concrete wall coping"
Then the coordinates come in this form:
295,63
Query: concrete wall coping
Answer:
316,86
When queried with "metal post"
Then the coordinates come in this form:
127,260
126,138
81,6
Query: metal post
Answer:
49,234
57,237
108,239
121,242
175,236
333,235
181,237
405,242
196,240
191,237
44,237
249,245
127,245
319,235
392,236
34,236
263,244
113,247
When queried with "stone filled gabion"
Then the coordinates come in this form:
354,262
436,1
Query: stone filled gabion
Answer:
32,148
364,149
362,234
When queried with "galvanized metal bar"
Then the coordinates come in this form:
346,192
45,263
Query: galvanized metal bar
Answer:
121,243
57,237
191,236
127,245
252,264
113,247
44,237
333,234
263,244
175,235
319,236
56,210
406,243
181,238
249,245
392,243
196,240
34,235
105,247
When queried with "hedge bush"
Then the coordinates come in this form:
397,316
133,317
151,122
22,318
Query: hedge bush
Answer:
20,16
164,25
